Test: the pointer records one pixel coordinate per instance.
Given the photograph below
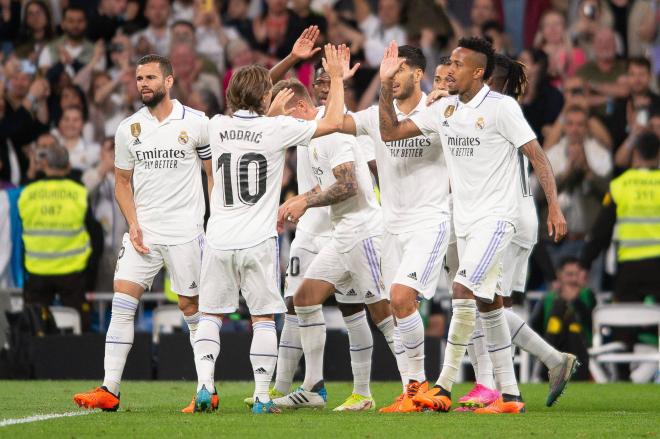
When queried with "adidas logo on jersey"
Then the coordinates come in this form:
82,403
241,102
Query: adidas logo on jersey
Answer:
462,273
208,357
351,292
193,285
137,142
369,295
261,371
413,275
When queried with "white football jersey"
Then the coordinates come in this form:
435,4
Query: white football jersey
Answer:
528,221
248,164
413,177
481,140
355,218
167,181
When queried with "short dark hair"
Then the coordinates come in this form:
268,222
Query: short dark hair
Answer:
74,8
567,260
298,88
492,25
414,56
444,61
163,63
482,46
640,61
647,146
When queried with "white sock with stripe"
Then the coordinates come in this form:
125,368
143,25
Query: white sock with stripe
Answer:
192,322
289,354
361,346
473,359
527,339
119,339
312,338
461,327
485,375
393,339
263,356
207,350
498,338
412,337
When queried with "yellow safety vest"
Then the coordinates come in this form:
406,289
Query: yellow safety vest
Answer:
54,234
636,193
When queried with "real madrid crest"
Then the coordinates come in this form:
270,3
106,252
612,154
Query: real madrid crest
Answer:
136,129
449,110
183,138
480,123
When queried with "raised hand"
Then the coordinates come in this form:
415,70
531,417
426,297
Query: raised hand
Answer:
304,45
332,63
278,105
391,62
345,58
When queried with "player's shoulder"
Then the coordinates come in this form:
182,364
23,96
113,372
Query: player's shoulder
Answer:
133,118
499,100
192,113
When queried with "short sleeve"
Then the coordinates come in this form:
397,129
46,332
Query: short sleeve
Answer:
367,147
427,118
204,149
294,131
339,149
123,157
365,121
512,124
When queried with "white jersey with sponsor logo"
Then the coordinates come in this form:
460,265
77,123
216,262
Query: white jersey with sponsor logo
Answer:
248,163
167,183
414,183
481,140
355,218
528,221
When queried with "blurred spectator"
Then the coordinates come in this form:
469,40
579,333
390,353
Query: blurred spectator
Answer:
156,37
482,11
553,39
69,133
72,96
72,50
210,38
189,74
239,54
106,106
121,54
36,31
10,19
521,19
105,19
277,30
636,108
586,19
380,30
54,212
302,8
542,103
582,167
237,21
565,317
577,93
184,10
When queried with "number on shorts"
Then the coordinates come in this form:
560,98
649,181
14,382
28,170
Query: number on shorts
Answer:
252,162
294,266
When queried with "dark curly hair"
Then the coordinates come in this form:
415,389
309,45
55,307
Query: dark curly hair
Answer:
482,46
509,76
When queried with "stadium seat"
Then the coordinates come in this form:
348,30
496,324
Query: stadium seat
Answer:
165,319
620,315
67,318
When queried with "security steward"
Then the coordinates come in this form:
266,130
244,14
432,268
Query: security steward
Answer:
55,213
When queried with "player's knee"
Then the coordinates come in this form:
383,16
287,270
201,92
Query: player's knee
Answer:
348,309
188,305
507,301
403,301
379,311
460,291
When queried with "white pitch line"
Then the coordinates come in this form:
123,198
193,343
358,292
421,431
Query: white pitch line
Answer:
38,418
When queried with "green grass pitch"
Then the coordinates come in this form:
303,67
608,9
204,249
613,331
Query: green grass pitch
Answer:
150,409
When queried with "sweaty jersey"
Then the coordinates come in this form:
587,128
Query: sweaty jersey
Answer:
528,222
480,140
248,163
413,178
165,160
357,217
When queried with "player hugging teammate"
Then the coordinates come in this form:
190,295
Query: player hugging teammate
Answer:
472,138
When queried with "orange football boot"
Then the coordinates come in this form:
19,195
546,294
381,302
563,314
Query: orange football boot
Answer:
392,408
99,398
190,408
434,399
407,404
500,406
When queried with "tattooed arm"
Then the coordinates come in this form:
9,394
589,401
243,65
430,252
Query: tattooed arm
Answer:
543,170
344,188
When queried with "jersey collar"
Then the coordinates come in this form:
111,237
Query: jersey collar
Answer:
420,106
246,114
178,113
478,98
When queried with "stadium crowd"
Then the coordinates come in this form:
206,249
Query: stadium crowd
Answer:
67,75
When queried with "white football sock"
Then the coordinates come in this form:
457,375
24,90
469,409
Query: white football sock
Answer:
498,338
207,350
412,337
289,354
461,327
393,339
312,338
119,339
527,339
362,345
485,375
263,356
473,358
193,322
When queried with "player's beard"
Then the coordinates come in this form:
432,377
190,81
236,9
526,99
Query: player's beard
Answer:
406,89
155,99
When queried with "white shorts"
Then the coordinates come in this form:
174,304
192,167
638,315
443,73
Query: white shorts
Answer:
480,253
355,274
253,271
451,262
183,263
414,259
516,261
